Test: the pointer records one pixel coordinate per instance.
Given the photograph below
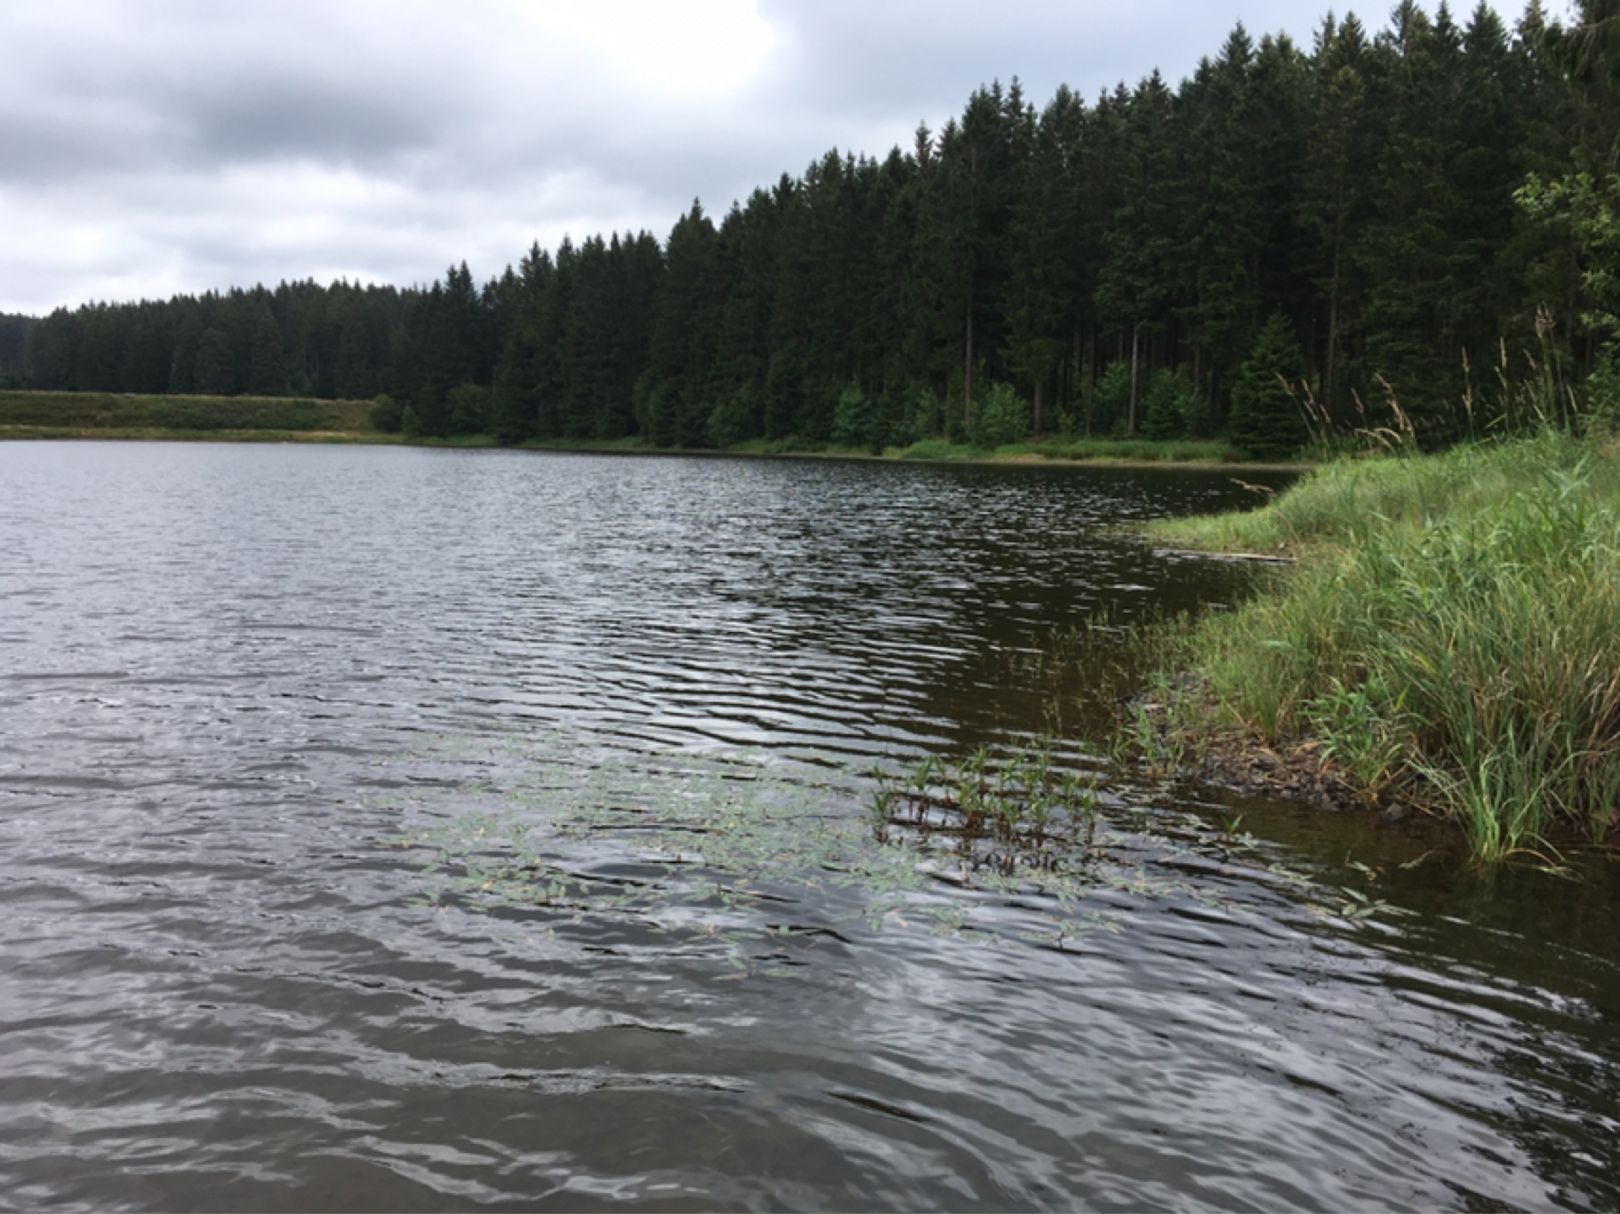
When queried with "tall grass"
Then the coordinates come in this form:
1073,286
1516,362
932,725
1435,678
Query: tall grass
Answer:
1454,629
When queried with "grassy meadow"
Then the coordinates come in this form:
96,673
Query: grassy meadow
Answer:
117,415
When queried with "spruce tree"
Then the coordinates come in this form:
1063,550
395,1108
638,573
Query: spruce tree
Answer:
1265,419
1142,241
267,372
215,367
1334,199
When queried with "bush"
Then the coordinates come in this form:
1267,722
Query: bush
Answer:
1171,403
469,408
1603,394
855,419
1002,417
385,414
732,418
106,410
923,416
1111,400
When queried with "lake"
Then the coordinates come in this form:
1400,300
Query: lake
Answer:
385,828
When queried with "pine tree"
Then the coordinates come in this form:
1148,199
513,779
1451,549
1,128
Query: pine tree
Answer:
1403,246
267,373
1168,406
216,367
680,365
1142,240
1039,283
1335,196
1265,420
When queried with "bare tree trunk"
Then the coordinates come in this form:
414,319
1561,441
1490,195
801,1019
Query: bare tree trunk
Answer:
1038,408
1136,341
1330,364
967,372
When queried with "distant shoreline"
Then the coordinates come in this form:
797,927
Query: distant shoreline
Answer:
1131,453
29,415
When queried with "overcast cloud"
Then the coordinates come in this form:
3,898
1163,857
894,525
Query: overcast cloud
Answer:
152,148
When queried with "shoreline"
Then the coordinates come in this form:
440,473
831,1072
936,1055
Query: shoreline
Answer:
1019,458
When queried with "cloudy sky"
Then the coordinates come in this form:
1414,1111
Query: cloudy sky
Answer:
163,146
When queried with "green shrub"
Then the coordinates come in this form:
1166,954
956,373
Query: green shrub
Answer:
855,419
1603,394
1111,401
385,414
469,406
1169,406
1002,417
732,418
923,417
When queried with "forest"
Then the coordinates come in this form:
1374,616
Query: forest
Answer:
1403,212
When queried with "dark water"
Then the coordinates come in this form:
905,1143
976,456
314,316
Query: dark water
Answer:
275,721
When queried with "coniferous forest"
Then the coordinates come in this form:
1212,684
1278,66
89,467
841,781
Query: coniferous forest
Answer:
1370,214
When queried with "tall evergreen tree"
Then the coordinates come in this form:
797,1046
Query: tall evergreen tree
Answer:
1141,241
1266,420
266,372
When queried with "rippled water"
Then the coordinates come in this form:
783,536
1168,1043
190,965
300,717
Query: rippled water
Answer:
343,794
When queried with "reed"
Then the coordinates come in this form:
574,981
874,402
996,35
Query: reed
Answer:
1008,812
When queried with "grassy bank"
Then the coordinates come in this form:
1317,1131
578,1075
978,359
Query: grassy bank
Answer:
1450,636
153,434
107,415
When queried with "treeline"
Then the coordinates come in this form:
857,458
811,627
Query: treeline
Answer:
1352,215
13,343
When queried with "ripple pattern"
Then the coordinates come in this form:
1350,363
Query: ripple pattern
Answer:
233,678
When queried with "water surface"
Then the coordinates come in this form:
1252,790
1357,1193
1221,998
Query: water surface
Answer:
272,718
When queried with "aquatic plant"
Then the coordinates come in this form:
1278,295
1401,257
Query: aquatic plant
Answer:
739,853
1012,813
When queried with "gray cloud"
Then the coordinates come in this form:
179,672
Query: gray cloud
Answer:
188,145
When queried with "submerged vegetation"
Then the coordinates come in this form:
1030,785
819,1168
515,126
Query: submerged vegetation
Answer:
1020,845
1023,812
1450,637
